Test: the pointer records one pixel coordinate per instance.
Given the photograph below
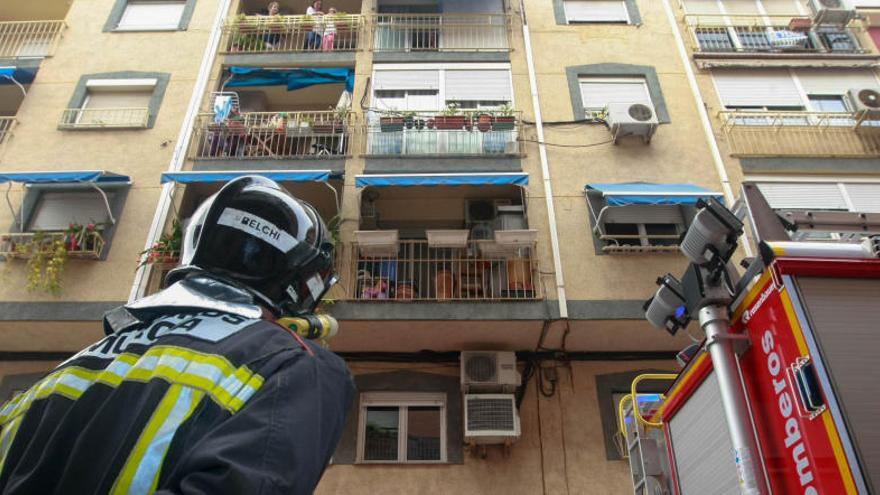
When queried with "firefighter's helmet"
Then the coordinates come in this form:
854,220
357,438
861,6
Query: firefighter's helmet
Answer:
256,235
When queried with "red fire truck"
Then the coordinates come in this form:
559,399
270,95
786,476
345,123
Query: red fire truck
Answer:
810,366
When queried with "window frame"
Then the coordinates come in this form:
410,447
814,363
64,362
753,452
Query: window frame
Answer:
401,400
598,21
574,74
592,111
118,10
632,11
133,79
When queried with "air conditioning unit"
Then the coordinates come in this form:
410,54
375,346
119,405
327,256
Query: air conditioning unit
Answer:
479,210
632,119
490,419
489,371
836,12
865,102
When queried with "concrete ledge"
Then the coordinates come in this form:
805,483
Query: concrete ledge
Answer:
620,309
612,309
335,165
425,57
811,165
56,311
310,59
410,164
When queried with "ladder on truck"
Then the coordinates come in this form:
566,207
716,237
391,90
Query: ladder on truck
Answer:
642,440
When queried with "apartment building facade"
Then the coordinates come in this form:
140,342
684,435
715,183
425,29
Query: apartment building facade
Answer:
500,177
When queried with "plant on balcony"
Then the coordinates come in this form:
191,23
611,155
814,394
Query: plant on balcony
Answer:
46,256
166,249
450,118
81,238
504,118
391,123
343,22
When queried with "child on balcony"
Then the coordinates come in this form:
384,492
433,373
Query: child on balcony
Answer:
329,31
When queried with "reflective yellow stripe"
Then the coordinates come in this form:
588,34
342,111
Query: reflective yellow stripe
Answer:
140,474
212,374
6,438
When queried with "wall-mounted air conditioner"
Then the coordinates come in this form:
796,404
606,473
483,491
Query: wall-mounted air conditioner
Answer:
490,419
835,12
865,103
632,119
489,371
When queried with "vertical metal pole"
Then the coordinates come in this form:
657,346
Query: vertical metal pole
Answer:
716,324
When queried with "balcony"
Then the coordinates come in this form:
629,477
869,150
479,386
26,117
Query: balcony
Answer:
26,245
105,118
800,134
417,271
273,135
291,33
467,133
440,32
6,125
732,37
29,39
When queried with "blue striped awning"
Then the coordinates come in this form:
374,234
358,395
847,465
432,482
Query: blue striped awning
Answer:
643,193
279,176
65,177
500,179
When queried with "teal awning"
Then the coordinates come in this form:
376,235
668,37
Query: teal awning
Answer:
643,193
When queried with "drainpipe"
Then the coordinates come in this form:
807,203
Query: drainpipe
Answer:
177,159
704,114
545,167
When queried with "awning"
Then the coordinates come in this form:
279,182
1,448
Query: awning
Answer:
643,193
65,177
501,179
279,176
292,78
20,75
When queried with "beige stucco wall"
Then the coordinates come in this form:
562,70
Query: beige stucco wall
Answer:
561,450
141,154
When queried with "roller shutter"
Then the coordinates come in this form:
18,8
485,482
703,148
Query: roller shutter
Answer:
406,79
756,88
478,85
803,196
595,11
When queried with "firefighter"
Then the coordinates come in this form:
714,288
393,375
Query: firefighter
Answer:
197,389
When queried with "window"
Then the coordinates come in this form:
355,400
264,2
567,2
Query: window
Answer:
56,210
434,89
402,99
828,103
577,11
119,100
402,428
597,93
151,15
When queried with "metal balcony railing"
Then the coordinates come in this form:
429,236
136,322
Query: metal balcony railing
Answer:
261,135
25,245
100,118
292,33
29,39
432,133
441,32
6,125
718,34
650,243
816,134
422,273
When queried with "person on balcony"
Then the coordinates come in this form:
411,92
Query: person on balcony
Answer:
272,39
329,31
198,389
313,37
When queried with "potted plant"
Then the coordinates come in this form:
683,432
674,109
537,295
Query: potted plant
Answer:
81,238
409,119
504,118
484,121
46,256
450,118
391,123
166,249
343,22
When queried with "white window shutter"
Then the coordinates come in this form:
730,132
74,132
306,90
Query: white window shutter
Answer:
600,94
803,195
119,99
595,11
152,15
834,82
57,210
406,79
478,85
865,198
644,214
756,88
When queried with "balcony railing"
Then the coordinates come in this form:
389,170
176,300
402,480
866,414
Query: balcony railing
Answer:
650,243
101,118
800,134
441,32
431,133
423,273
6,125
292,33
262,135
25,245
29,39
719,34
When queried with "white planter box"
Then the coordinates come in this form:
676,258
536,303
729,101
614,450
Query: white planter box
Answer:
378,243
493,250
447,238
520,238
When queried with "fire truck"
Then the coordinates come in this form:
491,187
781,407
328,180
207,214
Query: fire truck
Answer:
805,330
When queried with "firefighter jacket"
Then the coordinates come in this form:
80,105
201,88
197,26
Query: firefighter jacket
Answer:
190,392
